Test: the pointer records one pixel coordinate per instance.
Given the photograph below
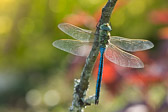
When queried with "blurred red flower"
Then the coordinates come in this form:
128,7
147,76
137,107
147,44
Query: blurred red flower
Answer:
109,72
142,79
159,16
81,18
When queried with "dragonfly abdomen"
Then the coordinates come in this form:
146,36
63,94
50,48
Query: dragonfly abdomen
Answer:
99,76
104,36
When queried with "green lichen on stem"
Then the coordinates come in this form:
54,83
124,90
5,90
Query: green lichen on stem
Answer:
81,85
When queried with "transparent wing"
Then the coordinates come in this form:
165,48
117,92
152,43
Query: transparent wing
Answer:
76,32
131,44
75,47
122,58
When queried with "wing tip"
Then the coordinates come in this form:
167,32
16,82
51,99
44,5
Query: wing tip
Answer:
139,64
60,25
55,43
151,44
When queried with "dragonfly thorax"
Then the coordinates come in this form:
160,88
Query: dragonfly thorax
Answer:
104,37
105,27
104,34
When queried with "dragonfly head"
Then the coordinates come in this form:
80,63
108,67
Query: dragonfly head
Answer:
105,27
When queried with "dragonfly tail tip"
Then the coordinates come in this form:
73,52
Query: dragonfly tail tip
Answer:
96,102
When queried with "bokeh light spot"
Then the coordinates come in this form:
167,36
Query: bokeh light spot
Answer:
51,98
26,25
137,108
118,19
136,7
5,24
33,97
89,3
54,7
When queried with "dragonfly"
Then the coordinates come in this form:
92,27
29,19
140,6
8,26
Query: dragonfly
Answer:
113,47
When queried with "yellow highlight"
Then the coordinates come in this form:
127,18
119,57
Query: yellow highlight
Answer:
6,3
5,24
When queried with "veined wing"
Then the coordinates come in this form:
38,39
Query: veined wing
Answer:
75,47
122,58
76,32
131,44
